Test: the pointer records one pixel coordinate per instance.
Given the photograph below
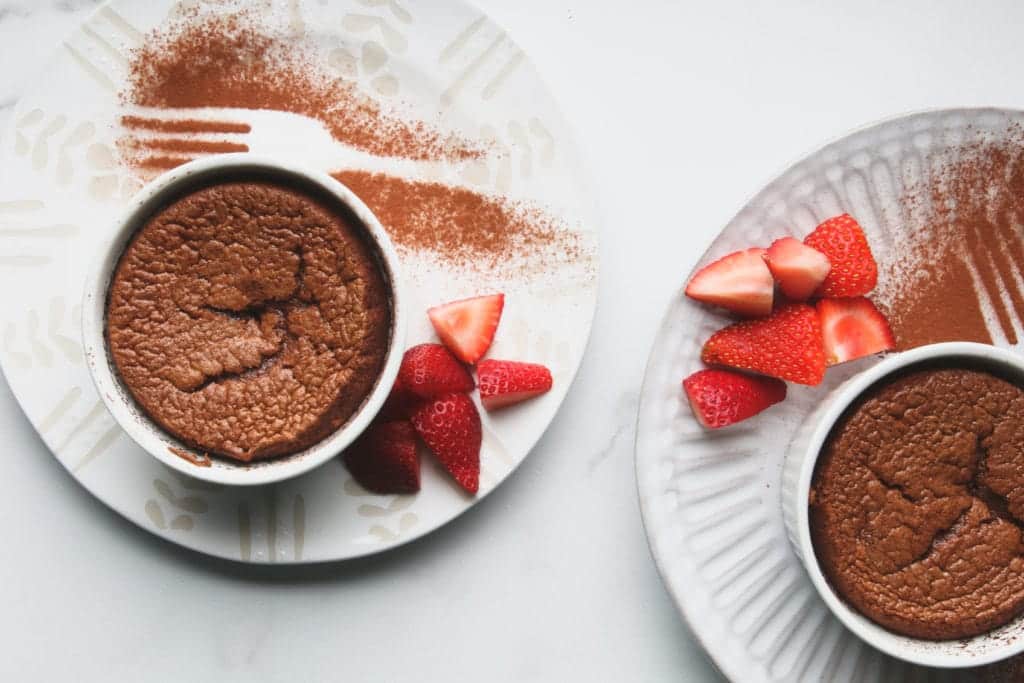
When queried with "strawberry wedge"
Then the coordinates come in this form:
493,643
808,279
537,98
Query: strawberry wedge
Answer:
798,268
450,426
853,328
854,271
740,282
384,459
399,403
505,382
430,370
786,345
720,398
467,327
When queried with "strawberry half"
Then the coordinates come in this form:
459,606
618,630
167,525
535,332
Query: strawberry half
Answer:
786,345
467,327
430,370
853,328
450,426
384,459
399,403
504,382
722,397
854,271
740,282
797,268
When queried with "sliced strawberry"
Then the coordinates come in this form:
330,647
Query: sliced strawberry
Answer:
797,268
786,345
450,426
504,382
853,328
740,282
430,370
467,327
722,397
854,271
399,403
384,460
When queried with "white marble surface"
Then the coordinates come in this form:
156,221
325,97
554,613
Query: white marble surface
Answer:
683,109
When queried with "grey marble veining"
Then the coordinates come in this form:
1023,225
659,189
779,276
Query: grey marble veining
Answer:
29,31
25,8
553,564
620,437
680,110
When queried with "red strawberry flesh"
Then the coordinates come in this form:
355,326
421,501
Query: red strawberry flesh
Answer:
797,268
467,327
384,460
787,345
853,328
503,382
854,271
450,426
740,282
722,397
430,370
399,403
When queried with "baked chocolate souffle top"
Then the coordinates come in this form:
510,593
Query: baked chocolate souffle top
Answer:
249,319
917,504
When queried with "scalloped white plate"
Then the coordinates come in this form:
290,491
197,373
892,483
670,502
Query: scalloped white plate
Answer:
61,185
710,500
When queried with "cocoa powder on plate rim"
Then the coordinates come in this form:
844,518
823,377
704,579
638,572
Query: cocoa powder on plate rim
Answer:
959,277
233,61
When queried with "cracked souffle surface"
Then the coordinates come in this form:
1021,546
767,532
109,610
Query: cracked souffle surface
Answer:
917,504
249,319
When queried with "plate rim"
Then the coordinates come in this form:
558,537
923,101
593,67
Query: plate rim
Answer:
647,515
592,230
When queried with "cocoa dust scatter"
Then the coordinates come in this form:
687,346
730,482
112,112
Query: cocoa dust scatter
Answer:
228,61
938,304
197,460
159,163
185,146
225,62
184,125
463,227
164,153
966,255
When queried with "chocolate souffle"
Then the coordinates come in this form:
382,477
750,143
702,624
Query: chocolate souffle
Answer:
249,319
917,504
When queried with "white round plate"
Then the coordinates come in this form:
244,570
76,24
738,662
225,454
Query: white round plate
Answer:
710,500
61,186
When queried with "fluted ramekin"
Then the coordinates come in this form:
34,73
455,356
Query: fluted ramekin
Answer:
139,426
798,471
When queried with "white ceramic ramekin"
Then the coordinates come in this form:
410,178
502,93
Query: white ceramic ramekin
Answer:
115,396
798,470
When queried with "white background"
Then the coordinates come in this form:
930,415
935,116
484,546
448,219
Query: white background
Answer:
682,111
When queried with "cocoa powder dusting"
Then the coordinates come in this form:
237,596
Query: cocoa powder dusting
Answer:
184,125
189,146
227,61
463,227
160,163
922,311
232,61
197,460
963,258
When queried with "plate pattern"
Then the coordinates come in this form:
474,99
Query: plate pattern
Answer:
62,182
711,501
